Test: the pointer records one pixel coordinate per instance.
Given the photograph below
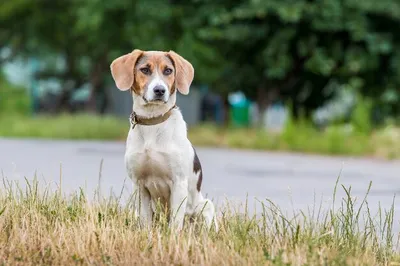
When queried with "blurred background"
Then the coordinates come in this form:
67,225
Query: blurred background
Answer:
305,75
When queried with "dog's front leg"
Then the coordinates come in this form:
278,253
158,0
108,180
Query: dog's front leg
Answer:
143,206
179,194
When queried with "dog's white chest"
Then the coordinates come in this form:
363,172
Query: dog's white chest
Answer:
153,168
150,162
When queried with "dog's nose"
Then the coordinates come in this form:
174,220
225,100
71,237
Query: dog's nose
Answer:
159,90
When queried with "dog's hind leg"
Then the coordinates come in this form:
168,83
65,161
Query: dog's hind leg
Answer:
206,208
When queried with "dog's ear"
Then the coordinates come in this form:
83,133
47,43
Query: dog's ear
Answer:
122,69
184,72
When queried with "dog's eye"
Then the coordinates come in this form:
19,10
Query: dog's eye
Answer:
167,71
145,70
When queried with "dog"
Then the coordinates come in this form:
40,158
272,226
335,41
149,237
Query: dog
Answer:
159,158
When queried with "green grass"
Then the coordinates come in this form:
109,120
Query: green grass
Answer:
40,226
80,126
298,137
336,140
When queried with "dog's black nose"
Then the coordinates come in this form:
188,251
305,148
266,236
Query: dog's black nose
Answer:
159,90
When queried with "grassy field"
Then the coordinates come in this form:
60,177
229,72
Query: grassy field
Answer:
383,143
299,137
41,226
82,126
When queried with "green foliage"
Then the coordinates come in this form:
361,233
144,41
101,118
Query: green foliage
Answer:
307,44
361,116
13,100
276,49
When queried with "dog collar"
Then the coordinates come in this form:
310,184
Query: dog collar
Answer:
145,121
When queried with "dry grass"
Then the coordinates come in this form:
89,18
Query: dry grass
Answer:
387,142
46,228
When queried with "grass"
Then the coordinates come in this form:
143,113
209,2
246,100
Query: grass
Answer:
45,227
299,137
80,126
336,140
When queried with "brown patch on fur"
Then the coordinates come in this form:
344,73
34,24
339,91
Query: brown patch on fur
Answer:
184,72
122,69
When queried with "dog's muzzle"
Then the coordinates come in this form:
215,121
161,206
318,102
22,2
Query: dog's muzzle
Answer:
157,94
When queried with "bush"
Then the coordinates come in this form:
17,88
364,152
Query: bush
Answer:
13,99
361,116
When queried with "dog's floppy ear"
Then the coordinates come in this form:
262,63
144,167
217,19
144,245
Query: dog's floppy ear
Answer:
184,72
122,69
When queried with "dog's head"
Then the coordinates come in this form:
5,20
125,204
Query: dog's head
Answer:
153,76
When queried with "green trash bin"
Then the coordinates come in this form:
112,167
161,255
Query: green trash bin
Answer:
239,111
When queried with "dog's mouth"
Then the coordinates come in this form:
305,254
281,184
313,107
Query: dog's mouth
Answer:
154,101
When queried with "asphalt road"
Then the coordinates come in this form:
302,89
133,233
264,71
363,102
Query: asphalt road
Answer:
292,181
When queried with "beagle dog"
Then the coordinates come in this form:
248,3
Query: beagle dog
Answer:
159,157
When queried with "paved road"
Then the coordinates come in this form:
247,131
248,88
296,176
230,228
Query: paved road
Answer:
292,181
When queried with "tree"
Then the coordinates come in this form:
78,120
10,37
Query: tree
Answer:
44,27
293,49
88,35
272,50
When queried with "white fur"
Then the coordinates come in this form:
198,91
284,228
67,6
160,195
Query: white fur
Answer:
156,81
165,154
